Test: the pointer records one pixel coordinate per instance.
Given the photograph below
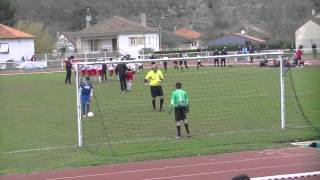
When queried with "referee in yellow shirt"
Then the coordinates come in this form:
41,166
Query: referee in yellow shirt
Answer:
155,77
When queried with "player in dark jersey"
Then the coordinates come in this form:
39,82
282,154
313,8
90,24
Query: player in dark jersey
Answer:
68,71
121,70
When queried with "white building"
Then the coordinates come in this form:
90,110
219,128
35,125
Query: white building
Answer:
193,38
15,44
66,42
309,33
118,34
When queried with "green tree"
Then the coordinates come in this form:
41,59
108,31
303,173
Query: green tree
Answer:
44,43
7,13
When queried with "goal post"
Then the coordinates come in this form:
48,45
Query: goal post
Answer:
282,95
126,118
78,106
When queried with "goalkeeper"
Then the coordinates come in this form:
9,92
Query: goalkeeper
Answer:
180,103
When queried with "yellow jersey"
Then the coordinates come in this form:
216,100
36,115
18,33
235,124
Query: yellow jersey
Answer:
154,78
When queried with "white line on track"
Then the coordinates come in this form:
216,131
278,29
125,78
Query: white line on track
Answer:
231,170
174,167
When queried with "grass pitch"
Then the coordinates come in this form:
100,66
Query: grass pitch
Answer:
232,109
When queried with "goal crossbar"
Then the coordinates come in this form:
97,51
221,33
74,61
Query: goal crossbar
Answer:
280,53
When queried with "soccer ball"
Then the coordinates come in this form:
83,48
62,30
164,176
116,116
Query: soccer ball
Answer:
90,114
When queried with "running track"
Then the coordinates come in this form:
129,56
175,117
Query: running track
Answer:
263,163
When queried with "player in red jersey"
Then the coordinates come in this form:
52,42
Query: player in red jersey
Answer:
130,74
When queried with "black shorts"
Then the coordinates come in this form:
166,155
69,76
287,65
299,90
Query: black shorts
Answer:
180,63
180,113
175,62
156,91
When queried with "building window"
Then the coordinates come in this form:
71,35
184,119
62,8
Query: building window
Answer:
4,48
94,44
133,41
194,44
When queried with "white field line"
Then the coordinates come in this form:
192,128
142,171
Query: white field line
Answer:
38,149
125,141
75,146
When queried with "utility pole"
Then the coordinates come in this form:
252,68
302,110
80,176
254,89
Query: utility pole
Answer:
88,18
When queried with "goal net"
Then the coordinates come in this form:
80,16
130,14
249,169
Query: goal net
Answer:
245,103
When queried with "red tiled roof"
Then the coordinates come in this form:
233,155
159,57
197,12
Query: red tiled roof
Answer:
250,37
188,33
7,32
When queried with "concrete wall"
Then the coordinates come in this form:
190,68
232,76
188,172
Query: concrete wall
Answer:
17,49
151,41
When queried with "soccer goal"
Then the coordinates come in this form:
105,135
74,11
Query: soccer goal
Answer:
242,102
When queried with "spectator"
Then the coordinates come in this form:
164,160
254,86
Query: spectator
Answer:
223,60
33,58
153,57
68,71
298,56
216,60
314,50
251,51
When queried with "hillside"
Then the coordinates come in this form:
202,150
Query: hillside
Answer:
273,19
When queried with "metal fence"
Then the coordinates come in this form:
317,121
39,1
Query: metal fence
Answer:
56,61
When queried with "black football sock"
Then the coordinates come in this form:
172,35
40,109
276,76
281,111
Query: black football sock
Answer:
178,131
187,128
154,104
161,103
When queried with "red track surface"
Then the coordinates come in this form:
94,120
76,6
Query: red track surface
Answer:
214,167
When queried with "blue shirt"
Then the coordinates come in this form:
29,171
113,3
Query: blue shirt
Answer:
85,90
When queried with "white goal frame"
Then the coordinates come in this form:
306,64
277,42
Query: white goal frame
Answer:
276,53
